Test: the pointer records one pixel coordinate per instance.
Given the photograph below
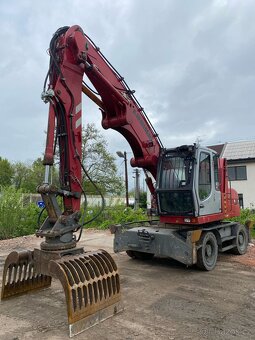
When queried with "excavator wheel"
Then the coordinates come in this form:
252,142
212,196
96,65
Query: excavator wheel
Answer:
139,255
241,241
207,254
90,281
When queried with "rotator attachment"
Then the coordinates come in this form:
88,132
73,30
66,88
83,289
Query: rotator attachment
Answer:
90,281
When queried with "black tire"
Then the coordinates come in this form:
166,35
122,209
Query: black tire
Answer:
139,255
207,254
242,240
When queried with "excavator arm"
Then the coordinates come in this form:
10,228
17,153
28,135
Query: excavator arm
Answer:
73,54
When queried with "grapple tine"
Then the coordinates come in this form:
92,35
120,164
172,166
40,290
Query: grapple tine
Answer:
92,288
19,275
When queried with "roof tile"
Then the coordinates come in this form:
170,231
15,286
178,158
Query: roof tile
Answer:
239,150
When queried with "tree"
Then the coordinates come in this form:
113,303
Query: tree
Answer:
99,163
28,177
21,171
143,200
35,176
6,172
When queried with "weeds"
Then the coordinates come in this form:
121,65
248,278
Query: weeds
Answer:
17,219
113,215
246,215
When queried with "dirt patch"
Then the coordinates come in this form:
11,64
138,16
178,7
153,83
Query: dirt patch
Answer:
247,259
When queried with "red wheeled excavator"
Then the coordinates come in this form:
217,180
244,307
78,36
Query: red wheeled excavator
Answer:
189,184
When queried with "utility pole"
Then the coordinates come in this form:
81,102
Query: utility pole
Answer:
124,155
137,189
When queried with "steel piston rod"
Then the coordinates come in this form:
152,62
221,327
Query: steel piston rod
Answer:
92,96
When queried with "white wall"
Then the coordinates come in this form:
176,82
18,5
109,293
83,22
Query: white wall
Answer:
94,200
246,187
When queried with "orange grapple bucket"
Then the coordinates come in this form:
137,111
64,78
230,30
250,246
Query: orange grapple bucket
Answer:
90,281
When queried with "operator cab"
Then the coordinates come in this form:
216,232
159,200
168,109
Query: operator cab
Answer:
188,182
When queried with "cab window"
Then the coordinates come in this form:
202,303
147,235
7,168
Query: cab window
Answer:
205,181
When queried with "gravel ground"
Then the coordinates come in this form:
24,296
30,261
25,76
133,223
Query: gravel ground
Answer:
163,300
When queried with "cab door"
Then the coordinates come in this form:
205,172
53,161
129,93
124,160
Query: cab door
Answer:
208,193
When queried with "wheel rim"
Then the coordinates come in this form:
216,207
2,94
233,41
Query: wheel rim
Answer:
210,253
208,250
241,240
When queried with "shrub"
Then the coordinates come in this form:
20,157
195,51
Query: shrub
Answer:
15,218
246,215
113,215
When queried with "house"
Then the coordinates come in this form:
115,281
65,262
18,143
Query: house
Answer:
241,169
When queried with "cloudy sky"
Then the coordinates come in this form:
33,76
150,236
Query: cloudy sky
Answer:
192,64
